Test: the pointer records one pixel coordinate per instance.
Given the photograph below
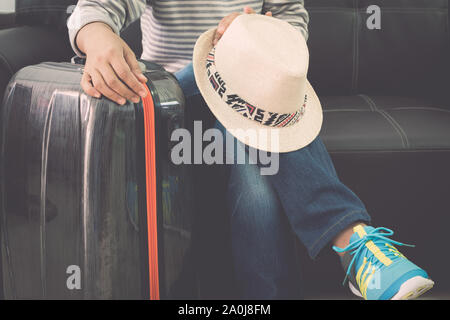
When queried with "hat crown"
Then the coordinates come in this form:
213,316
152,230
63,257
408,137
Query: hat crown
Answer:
265,61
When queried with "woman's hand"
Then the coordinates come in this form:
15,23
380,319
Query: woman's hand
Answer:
111,67
225,22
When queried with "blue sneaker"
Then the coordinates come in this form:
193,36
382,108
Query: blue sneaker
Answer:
377,270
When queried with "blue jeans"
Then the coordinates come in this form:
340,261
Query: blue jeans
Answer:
305,199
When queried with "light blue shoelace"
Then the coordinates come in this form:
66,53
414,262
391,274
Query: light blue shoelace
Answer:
379,238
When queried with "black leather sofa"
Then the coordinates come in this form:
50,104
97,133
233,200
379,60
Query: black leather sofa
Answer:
385,95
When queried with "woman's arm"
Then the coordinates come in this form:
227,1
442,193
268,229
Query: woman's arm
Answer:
117,14
111,67
292,11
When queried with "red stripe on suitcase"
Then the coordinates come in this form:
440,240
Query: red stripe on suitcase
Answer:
150,166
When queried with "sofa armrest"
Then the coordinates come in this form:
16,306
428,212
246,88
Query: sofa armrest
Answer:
23,46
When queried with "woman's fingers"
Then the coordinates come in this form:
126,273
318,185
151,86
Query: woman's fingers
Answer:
115,84
114,79
88,87
223,25
249,10
225,22
101,85
124,72
112,66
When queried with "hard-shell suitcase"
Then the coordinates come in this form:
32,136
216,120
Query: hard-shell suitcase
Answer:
91,205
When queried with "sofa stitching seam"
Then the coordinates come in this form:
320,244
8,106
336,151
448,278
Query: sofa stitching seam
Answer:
337,109
3,58
395,123
357,22
391,120
366,100
346,110
419,108
365,151
355,36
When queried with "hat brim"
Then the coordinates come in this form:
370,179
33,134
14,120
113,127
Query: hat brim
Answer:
285,139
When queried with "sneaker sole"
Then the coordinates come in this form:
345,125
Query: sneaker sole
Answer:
410,289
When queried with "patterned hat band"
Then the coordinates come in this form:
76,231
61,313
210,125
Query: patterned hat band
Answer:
267,118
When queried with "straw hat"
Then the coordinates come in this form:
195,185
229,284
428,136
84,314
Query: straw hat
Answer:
254,81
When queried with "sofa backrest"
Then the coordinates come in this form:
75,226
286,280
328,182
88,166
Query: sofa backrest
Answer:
133,37
52,13
408,55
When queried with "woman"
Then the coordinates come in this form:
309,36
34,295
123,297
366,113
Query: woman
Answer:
305,196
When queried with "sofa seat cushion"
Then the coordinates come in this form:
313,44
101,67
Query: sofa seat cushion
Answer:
369,122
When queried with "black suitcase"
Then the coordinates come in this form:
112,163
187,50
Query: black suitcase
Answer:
85,212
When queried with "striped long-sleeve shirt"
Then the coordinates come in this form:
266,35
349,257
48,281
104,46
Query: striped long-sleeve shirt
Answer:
170,28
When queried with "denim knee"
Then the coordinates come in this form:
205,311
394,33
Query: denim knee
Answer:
251,198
